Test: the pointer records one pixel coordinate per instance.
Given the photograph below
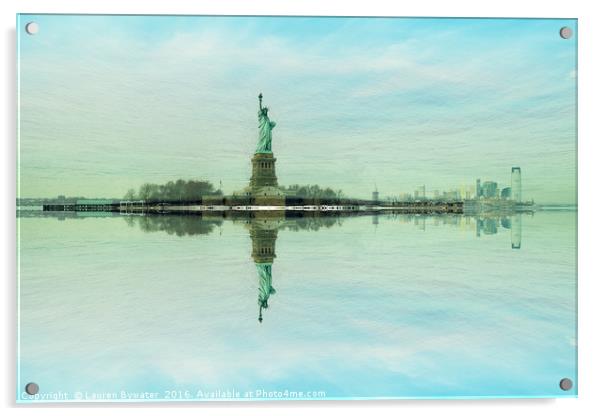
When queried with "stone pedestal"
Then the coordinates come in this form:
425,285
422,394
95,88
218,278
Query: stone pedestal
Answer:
264,183
264,170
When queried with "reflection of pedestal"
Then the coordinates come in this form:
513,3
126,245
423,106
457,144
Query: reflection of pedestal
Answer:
264,244
264,183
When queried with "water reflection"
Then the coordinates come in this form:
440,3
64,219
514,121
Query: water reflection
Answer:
198,224
264,232
342,299
180,225
265,286
263,228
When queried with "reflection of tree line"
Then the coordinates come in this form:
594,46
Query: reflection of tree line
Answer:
183,225
180,225
312,223
193,224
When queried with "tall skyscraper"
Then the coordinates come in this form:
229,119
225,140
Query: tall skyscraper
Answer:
375,194
515,181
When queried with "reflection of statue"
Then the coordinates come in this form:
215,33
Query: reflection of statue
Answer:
263,231
264,145
265,286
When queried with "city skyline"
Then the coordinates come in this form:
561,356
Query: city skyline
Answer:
401,103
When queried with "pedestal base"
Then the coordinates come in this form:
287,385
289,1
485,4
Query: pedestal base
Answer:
263,171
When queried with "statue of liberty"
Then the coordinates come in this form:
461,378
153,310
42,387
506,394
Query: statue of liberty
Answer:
264,145
265,286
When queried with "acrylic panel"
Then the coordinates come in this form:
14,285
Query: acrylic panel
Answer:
295,208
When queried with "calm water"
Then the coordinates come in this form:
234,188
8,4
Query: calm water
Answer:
388,306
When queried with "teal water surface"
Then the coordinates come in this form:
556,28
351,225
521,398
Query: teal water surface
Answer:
167,308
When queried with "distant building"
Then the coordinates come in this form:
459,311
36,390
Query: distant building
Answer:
489,189
515,180
405,197
451,195
420,192
478,192
506,193
375,195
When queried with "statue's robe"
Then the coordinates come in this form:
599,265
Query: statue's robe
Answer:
264,145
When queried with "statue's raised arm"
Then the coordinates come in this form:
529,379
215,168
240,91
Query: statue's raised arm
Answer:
264,145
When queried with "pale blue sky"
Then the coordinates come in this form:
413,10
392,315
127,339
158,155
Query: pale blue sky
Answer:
110,102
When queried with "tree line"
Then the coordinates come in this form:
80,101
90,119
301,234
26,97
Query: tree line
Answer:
313,191
180,190
194,190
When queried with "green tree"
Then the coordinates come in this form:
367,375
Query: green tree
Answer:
180,190
130,195
314,191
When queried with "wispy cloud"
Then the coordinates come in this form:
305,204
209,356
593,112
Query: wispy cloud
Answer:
405,102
